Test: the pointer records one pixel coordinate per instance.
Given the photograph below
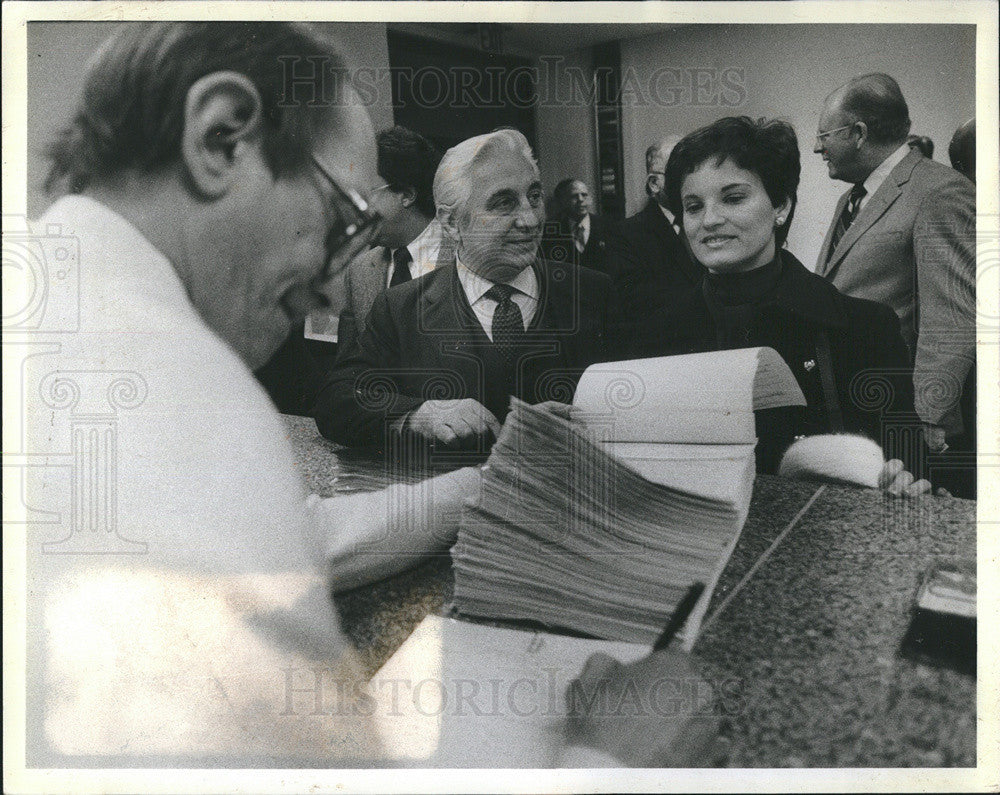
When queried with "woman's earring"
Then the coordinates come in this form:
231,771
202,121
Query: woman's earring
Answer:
779,220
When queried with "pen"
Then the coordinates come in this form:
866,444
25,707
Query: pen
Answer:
680,616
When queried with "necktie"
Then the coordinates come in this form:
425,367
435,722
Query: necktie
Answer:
401,260
580,237
847,217
508,323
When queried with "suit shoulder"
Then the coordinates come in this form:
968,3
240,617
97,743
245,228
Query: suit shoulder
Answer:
938,175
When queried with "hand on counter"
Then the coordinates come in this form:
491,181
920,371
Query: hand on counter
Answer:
895,480
452,421
656,712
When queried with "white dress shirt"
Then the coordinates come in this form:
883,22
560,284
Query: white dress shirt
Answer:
190,631
878,176
526,295
584,226
424,250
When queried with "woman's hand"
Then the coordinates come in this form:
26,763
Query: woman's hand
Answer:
895,480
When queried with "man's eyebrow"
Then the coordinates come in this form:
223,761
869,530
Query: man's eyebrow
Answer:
503,193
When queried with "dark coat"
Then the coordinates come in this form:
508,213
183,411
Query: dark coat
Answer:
558,244
422,341
662,260
870,362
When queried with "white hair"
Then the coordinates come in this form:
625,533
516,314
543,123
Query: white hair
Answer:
452,180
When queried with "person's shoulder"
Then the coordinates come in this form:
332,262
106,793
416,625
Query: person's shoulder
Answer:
930,173
564,274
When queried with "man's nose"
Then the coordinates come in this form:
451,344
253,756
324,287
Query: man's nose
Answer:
818,146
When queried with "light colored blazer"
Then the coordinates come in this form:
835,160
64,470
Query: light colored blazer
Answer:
912,247
366,278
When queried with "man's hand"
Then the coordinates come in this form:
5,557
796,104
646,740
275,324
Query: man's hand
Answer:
657,712
451,421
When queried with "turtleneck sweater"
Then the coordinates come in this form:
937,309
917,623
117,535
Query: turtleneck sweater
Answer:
735,299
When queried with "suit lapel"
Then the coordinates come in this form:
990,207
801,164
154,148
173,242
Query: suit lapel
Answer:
888,192
825,262
372,277
447,323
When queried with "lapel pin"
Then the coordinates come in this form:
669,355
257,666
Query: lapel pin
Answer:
809,365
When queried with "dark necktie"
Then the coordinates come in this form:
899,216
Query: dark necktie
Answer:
847,217
401,260
508,323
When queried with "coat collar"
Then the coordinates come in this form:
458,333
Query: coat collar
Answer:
890,190
807,295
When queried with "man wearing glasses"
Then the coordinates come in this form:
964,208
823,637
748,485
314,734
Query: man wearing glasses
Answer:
183,601
904,235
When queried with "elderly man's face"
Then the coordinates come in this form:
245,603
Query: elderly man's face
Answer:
501,224
263,269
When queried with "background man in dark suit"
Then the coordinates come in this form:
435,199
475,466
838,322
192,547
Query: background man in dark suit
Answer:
659,257
905,235
582,236
441,355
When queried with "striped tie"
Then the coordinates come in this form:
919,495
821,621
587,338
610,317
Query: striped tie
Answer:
847,217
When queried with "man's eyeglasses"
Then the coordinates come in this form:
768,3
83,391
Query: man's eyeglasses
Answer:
356,219
821,137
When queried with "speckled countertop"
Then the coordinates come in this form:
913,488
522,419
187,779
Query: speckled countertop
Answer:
808,649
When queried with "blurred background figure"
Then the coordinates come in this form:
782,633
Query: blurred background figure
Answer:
581,237
962,149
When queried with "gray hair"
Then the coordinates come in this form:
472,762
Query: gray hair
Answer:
452,183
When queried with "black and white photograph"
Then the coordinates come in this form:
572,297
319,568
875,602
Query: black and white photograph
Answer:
500,397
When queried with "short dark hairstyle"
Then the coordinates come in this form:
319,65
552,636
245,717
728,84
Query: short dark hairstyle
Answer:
767,148
408,160
131,112
876,100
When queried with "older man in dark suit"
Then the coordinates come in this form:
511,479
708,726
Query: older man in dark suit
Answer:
441,355
581,236
905,235
658,257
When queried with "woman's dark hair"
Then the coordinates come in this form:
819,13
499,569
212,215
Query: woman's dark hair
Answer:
131,112
767,148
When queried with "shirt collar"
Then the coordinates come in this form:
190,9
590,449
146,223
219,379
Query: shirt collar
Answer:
666,213
424,248
476,286
878,176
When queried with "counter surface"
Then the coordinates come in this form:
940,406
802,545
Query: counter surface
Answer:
808,648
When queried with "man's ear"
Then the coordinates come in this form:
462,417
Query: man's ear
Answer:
222,118
447,218
409,196
862,129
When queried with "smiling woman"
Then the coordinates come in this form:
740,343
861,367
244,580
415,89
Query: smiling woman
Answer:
734,186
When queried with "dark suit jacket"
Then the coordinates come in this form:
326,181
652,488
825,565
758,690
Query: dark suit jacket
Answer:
870,364
422,341
657,266
913,247
558,244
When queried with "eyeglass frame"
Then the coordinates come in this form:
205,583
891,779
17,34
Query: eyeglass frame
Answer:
822,136
366,217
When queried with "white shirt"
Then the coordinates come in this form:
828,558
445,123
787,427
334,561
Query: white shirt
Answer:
878,176
667,214
584,225
424,250
206,590
526,295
